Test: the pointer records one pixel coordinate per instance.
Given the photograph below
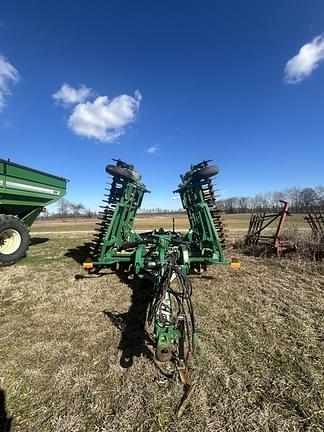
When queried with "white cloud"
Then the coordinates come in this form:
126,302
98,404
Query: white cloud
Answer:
8,75
68,95
305,62
152,150
99,118
103,119
138,95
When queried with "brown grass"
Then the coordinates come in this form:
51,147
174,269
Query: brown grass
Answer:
297,244
237,224
259,365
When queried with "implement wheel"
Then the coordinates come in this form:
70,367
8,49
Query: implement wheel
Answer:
14,240
208,171
122,172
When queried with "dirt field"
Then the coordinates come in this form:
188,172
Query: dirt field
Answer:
259,364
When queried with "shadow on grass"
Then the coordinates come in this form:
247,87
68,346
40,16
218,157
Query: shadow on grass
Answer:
202,276
79,253
38,240
5,421
134,336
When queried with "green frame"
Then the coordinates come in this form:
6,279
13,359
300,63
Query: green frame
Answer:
121,244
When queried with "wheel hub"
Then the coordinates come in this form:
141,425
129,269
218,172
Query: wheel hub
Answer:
10,240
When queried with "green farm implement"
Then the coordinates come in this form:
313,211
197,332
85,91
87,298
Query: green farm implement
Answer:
165,257
24,192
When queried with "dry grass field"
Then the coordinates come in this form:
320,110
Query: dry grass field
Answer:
258,366
236,224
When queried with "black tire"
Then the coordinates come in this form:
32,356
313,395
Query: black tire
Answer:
14,240
122,172
187,176
208,171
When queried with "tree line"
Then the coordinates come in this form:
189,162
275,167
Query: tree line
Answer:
69,209
301,200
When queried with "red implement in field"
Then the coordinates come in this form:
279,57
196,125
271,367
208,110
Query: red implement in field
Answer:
259,222
316,222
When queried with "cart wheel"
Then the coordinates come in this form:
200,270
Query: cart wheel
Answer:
208,171
14,240
122,172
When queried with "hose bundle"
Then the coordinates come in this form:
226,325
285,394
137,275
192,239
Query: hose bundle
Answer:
184,309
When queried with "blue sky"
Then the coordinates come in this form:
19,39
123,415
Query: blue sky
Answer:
163,85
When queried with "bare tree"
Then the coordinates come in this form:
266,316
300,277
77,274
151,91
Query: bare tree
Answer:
63,207
293,196
77,209
309,198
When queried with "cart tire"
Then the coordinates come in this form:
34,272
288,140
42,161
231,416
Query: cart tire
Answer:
14,240
208,171
122,172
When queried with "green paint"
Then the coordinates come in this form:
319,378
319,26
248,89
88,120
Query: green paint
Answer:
24,191
148,252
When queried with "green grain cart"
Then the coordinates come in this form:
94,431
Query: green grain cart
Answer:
24,192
